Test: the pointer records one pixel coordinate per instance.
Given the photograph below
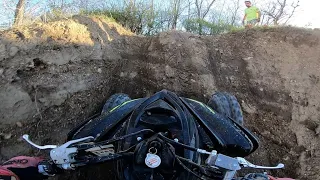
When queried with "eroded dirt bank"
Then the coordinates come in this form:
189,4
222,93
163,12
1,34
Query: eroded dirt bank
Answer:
54,76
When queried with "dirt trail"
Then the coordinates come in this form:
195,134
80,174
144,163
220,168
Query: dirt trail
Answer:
53,76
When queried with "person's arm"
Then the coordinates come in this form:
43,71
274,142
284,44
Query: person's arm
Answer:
259,176
7,174
27,168
273,178
244,18
258,14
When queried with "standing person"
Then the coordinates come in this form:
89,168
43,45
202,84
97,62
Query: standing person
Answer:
252,15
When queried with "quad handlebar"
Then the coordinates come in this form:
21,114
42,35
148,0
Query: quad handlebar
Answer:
63,156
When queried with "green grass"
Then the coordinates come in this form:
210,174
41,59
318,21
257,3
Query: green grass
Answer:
99,14
242,28
237,29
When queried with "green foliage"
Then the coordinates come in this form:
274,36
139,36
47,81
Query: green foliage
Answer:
237,29
127,18
149,17
57,12
140,19
98,13
203,27
241,28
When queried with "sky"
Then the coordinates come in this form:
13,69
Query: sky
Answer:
307,14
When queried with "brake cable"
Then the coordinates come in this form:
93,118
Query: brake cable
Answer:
184,159
201,168
188,161
123,137
185,167
177,143
98,144
130,148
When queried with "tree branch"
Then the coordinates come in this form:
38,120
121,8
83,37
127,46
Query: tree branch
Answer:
293,11
208,9
5,4
198,9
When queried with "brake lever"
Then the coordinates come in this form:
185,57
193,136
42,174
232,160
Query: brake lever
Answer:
63,154
246,163
26,138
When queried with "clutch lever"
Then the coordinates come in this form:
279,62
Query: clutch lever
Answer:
26,138
243,162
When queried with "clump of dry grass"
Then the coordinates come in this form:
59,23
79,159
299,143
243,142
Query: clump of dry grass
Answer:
62,32
113,25
67,30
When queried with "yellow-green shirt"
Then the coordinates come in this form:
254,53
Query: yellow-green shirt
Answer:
251,13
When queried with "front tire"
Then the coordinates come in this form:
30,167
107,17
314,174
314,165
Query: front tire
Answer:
114,101
227,105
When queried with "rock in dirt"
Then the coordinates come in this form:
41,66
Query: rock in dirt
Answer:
19,124
169,72
16,104
123,74
247,58
2,51
248,108
133,75
7,136
13,50
318,130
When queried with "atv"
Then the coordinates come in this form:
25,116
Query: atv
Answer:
161,137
